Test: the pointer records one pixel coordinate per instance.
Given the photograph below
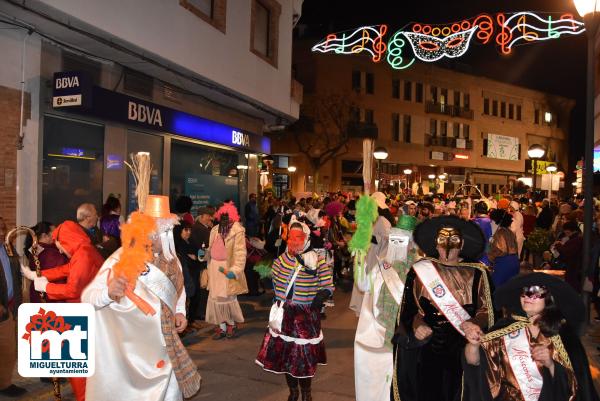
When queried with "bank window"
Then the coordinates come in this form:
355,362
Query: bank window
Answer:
419,92
396,88
264,35
466,129
536,116
434,94
370,83
407,128
396,127
153,144
519,112
486,106
73,165
511,111
457,98
456,129
466,101
407,91
503,109
212,11
495,108
207,175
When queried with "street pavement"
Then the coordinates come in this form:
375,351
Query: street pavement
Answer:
229,372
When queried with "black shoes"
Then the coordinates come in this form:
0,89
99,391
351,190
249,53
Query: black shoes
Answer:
13,391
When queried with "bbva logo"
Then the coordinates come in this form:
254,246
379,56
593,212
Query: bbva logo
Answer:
66,82
239,138
144,114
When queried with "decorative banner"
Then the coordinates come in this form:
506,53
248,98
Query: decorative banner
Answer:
430,42
502,147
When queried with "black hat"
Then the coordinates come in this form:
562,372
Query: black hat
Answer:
566,298
473,238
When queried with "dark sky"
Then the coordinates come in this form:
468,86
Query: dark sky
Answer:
555,66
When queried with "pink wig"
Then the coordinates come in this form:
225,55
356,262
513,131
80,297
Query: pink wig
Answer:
230,209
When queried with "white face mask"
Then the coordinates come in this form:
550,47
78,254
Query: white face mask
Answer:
399,243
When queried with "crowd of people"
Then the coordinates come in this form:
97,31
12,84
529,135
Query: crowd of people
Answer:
444,293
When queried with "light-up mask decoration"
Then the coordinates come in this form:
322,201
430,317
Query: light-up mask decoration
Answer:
431,48
449,238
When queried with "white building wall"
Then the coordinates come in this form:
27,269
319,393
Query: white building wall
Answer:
169,31
28,173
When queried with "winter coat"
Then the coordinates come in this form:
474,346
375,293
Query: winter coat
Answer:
235,245
79,271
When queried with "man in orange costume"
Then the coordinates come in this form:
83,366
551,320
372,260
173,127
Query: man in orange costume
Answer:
84,263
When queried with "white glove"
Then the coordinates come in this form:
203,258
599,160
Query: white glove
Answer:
28,273
40,284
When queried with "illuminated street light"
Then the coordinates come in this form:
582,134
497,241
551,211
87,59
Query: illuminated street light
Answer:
535,152
407,171
431,176
551,168
292,169
380,153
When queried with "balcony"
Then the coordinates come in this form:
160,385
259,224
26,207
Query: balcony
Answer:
449,110
448,142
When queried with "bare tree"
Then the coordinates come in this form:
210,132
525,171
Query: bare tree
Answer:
322,132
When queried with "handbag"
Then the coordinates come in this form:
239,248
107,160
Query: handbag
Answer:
204,278
276,314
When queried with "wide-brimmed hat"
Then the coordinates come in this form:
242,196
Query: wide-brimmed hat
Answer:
379,199
566,298
407,222
157,206
473,238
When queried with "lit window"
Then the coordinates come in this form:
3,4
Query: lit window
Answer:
548,117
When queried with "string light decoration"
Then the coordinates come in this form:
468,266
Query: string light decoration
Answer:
432,42
364,39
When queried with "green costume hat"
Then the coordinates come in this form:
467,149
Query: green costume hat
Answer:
407,222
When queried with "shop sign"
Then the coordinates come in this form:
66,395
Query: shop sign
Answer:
70,89
502,147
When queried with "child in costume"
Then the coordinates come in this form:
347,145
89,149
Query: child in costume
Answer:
302,281
226,278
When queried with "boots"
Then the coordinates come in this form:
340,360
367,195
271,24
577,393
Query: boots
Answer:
231,333
305,385
292,383
219,334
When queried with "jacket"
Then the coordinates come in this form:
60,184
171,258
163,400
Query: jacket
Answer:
79,271
17,285
235,244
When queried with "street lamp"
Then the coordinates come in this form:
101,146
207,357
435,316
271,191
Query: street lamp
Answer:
588,10
431,176
380,153
535,152
292,169
551,169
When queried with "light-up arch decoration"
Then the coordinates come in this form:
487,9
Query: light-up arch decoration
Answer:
430,42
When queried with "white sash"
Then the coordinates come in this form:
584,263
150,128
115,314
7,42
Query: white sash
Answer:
441,294
159,284
523,366
392,281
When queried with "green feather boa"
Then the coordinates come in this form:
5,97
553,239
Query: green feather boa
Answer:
366,214
263,267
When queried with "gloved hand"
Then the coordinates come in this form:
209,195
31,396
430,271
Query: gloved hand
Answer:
230,275
28,273
320,297
40,284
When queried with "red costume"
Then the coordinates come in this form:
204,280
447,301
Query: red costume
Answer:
82,267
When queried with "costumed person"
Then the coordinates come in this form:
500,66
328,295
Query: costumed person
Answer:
373,350
139,299
226,279
534,353
293,344
503,251
445,298
65,283
485,223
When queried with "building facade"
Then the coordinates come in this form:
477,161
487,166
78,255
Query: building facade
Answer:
439,123
83,86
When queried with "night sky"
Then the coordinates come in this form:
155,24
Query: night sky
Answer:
555,66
